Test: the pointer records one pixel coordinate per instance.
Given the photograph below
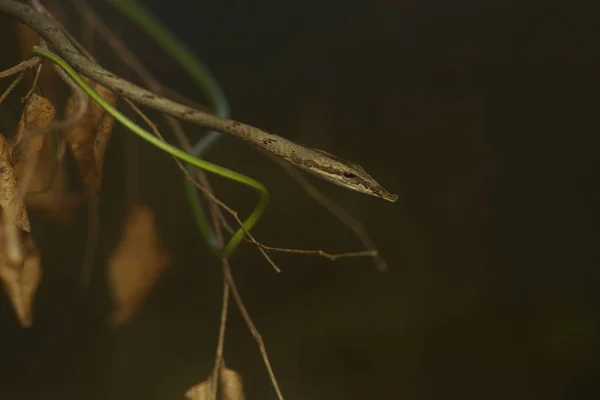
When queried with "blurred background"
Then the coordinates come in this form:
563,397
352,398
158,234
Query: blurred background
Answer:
482,116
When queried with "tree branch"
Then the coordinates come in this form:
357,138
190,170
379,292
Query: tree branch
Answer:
51,32
317,162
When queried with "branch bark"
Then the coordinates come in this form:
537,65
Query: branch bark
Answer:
60,44
326,166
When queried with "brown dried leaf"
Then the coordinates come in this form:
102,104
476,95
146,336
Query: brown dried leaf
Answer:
136,264
37,116
201,391
11,204
55,202
230,385
21,281
89,138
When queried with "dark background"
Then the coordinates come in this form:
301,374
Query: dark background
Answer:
483,116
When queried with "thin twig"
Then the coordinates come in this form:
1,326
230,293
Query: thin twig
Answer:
345,173
355,225
20,67
11,87
204,190
34,84
128,57
120,47
51,31
215,213
228,278
255,333
82,101
329,256
221,338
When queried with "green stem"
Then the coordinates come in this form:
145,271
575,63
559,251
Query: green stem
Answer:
236,239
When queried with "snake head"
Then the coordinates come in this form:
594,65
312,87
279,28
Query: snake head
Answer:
347,174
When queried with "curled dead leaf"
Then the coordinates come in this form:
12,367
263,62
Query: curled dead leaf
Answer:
37,115
89,137
11,203
46,177
136,264
230,387
21,281
201,391
20,156
30,138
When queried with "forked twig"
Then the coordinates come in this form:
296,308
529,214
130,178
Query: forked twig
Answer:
11,87
255,333
202,188
338,211
215,213
127,56
327,166
34,84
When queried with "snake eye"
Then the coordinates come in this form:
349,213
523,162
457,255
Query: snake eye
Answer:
348,175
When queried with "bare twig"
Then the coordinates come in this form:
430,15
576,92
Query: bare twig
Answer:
204,190
329,256
222,327
327,166
34,84
11,87
230,281
128,57
255,333
50,31
20,67
82,100
355,225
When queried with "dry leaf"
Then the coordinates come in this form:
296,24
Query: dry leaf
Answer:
20,264
21,281
37,116
55,201
201,391
15,159
136,264
11,204
89,138
230,387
